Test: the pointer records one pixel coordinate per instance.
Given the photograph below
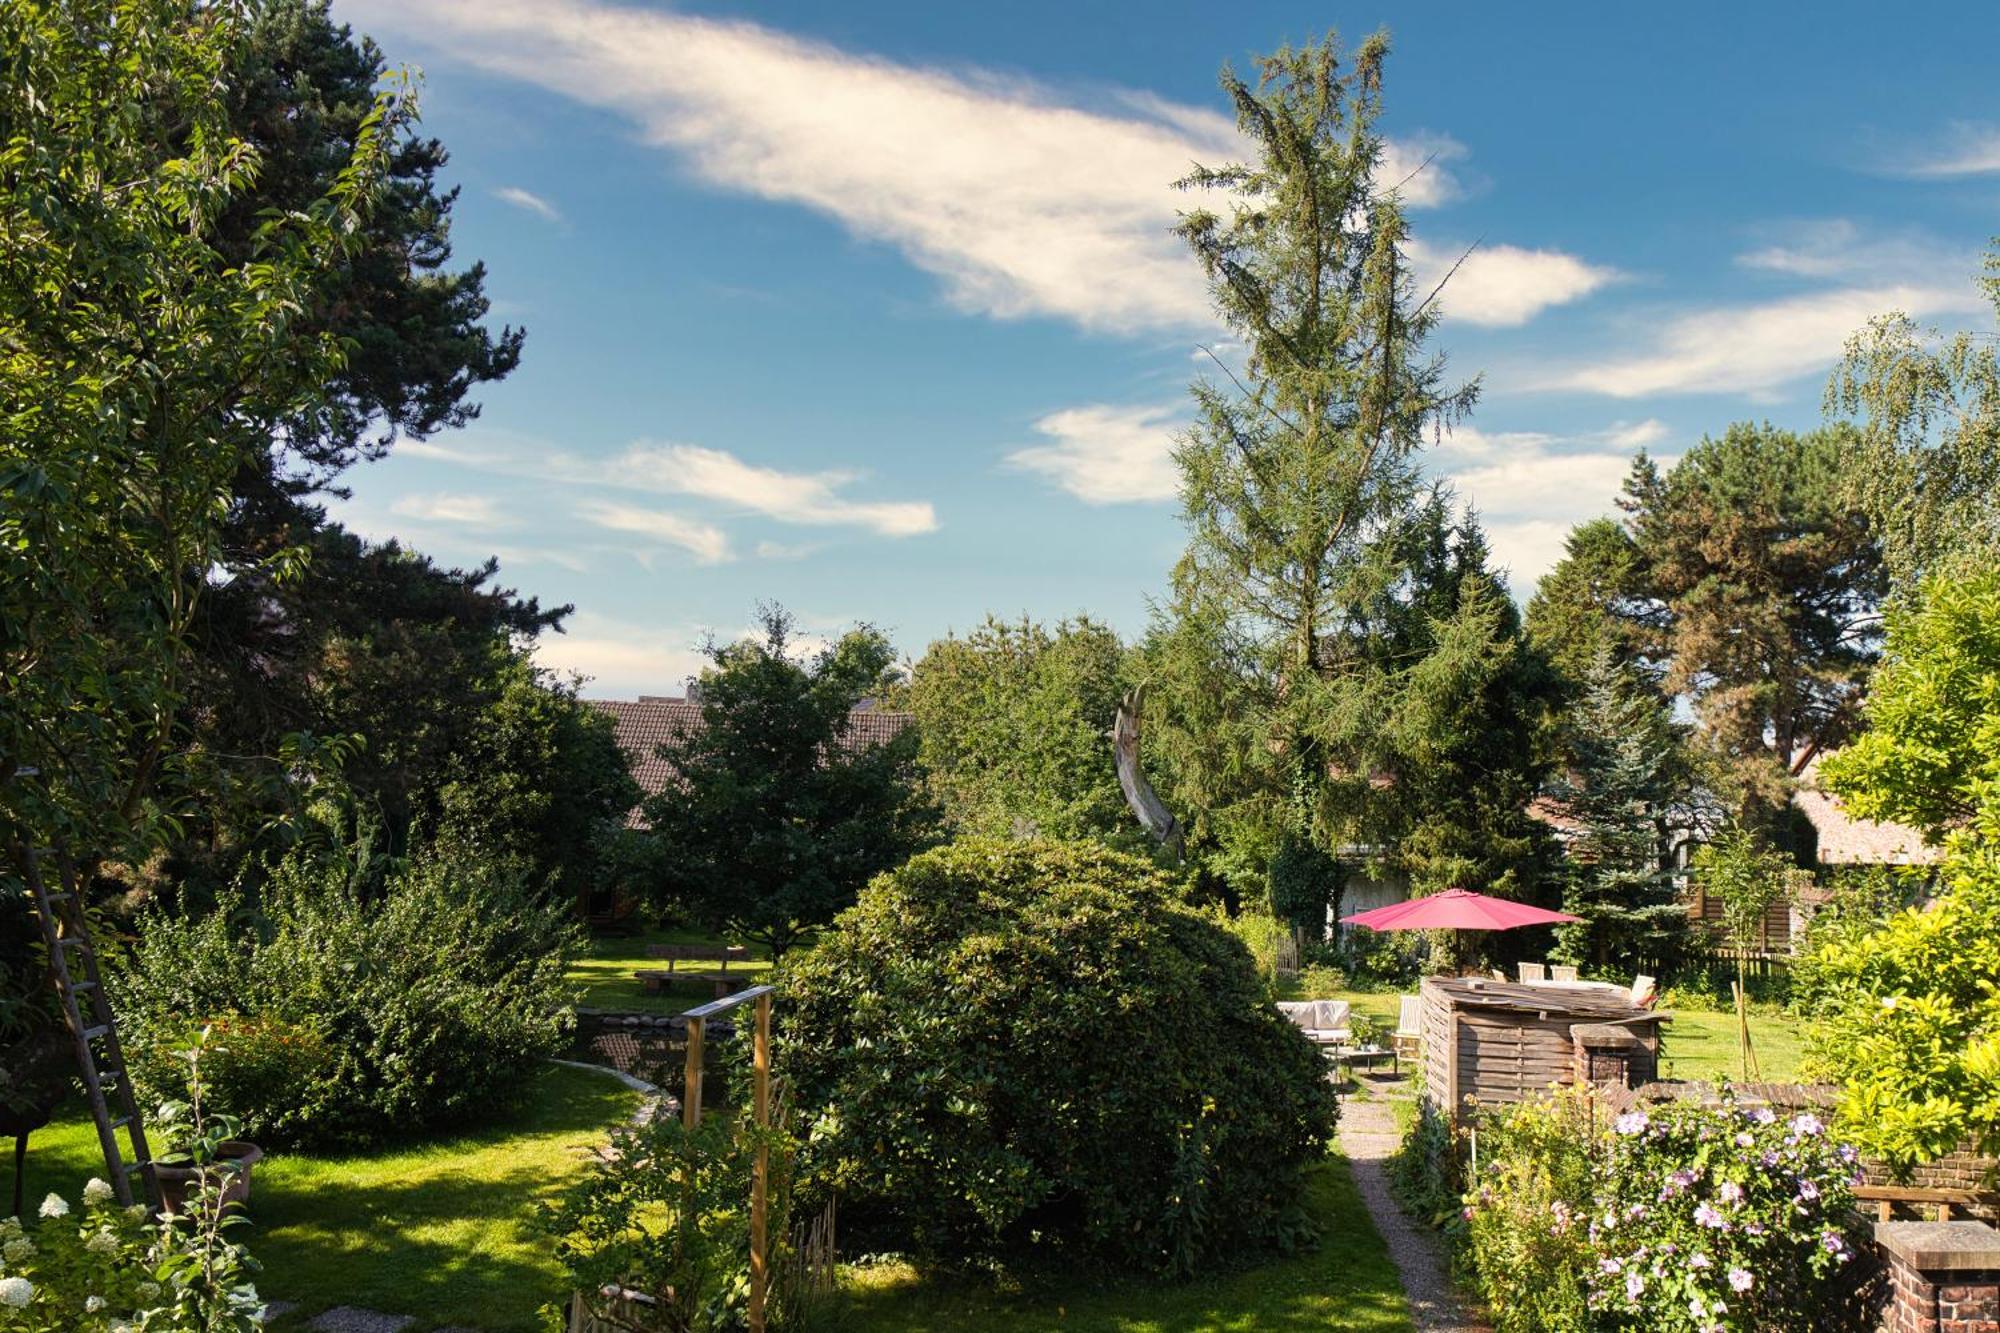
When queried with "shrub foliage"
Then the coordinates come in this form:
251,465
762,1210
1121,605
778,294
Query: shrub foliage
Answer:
1032,1050
347,1017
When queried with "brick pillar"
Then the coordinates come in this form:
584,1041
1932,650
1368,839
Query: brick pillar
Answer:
1604,1053
1943,1277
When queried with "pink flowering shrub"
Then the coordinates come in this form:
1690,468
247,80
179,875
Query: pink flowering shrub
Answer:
1687,1218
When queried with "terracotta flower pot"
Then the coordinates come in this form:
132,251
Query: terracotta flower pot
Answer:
178,1182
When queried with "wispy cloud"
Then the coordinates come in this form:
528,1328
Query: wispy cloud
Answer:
706,542
1023,200
1106,455
1532,487
1842,249
1968,148
1500,286
1752,348
808,498
530,202
620,659
448,508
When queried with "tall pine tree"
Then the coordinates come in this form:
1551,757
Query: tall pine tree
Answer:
1623,778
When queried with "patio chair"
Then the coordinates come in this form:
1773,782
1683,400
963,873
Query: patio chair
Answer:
1409,1028
1497,974
1558,972
1532,971
1323,1021
1645,991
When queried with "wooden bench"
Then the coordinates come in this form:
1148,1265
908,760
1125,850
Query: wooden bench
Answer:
726,982
1886,1197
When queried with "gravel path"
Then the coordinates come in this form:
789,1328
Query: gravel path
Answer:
1368,1137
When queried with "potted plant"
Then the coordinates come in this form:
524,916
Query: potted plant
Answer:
207,1162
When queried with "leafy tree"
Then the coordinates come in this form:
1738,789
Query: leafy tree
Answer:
1623,777
1763,579
1928,474
1015,722
144,366
1907,1017
775,816
1750,878
1933,711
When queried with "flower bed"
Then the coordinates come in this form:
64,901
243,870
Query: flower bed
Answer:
1680,1217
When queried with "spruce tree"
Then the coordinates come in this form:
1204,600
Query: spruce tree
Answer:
1622,782
1300,486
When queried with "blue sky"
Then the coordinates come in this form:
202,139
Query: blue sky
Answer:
871,309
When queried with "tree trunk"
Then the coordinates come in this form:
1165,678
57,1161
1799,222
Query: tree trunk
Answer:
1151,810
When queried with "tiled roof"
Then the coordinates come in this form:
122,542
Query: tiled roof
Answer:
651,721
1845,840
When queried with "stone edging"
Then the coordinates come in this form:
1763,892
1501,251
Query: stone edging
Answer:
655,1098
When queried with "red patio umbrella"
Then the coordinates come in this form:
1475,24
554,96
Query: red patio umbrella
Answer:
1457,909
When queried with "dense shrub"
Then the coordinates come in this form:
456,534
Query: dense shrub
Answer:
1682,1217
1033,1050
344,1017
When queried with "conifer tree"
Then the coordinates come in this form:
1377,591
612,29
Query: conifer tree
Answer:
1624,777
1285,659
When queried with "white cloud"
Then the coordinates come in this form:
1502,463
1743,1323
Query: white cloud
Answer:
1751,348
445,508
1022,200
1106,455
1531,487
808,498
768,550
529,202
1839,248
706,542
621,659
1499,286
1636,434
1971,149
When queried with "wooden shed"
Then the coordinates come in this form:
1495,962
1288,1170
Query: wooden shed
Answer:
1504,1041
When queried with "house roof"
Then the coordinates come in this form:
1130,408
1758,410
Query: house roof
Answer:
651,721
1847,840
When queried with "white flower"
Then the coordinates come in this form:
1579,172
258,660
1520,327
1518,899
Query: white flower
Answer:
137,1212
93,1304
54,1206
17,1250
10,1228
16,1292
96,1191
147,1290
102,1243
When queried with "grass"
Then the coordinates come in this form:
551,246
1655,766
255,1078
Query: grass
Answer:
606,968
441,1230
1347,1284
1702,1045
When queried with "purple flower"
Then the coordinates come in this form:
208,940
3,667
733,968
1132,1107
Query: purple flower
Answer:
1609,1266
1806,1124
1832,1243
1744,1139
1846,1153
1634,1284
1754,1228
1807,1189
1731,1192
1632,1122
1740,1279
1705,1215
1698,1260
1763,1115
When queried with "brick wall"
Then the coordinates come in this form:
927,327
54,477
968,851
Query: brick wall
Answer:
1943,1277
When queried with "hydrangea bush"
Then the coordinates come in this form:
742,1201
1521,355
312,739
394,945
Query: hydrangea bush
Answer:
1704,1219
102,1268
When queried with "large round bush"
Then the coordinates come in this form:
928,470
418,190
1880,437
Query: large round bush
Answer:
348,1016
1032,1049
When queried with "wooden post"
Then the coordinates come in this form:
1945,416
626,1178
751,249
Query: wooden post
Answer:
760,1176
691,1094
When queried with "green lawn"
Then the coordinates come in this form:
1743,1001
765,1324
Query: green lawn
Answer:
606,970
1702,1045
440,1231
1348,1284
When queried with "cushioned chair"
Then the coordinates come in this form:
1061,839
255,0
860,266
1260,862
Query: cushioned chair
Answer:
1325,1021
